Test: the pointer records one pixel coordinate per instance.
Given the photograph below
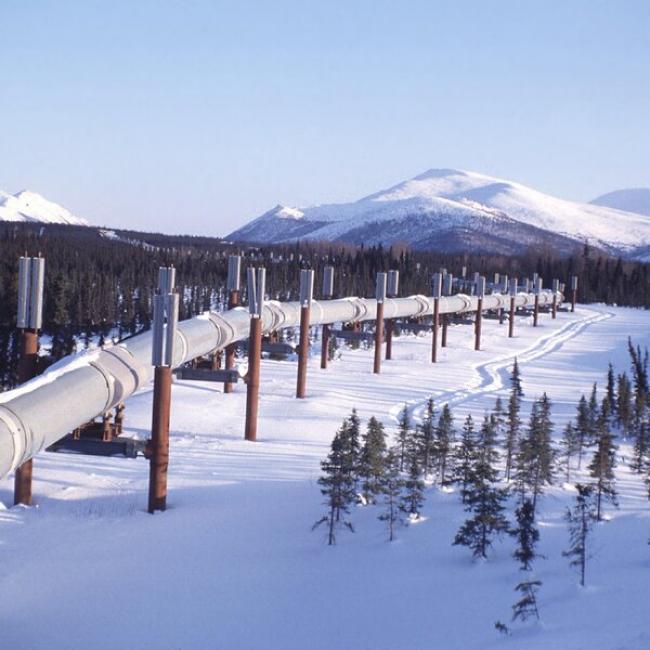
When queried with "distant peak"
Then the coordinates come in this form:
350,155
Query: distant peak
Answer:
440,173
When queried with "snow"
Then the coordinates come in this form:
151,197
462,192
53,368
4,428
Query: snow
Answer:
461,195
233,562
634,199
32,207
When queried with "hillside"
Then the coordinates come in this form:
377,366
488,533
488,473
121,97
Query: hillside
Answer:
447,209
631,200
27,206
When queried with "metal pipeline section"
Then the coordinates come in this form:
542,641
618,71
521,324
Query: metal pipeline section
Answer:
83,386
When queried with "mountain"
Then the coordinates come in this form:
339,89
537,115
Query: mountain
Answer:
458,210
32,207
631,200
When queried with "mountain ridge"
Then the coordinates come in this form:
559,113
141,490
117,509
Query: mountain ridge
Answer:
29,206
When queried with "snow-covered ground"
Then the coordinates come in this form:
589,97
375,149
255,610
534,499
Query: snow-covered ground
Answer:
233,563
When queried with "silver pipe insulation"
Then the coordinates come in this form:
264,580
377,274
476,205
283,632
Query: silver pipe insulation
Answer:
83,386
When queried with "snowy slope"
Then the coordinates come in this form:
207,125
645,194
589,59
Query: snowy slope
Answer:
234,564
444,202
631,200
31,207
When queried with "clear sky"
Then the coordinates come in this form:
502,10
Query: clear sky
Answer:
196,116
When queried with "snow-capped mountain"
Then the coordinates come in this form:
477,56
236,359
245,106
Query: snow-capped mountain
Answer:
635,199
32,207
458,210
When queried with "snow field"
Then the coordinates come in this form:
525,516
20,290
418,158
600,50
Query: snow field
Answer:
233,563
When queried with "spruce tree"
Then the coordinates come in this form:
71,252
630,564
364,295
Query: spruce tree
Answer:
390,485
426,432
570,447
403,433
373,457
484,499
584,430
337,488
464,458
445,437
413,495
611,387
513,419
580,519
602,466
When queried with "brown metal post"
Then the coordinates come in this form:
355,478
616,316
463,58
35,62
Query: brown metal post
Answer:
324,348
159,450
574,299
379,337
233,301
253,383
27,369
536,310
303,351
554,307
445,325
436,325
477,324
389,339
119,419
511,318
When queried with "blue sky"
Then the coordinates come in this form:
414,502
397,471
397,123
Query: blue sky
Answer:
196,116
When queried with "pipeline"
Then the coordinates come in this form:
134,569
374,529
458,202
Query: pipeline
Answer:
72,392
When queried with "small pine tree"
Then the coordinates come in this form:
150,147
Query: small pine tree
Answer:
611,389
484,499
373,456
403,433
513,420
602,466
337,487
464,458
584,431
413,496
570,447
580,519
526,606
445,436
526,535
426,431
390,486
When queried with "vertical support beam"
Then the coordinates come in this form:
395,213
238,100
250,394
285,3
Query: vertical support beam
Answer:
256,289
436,292
328,292
556,288
306,297
253,383
392,292
574,292
379,323
504,290
233,286
324,348
447,289
511,317
480,292
159,458
31,278
165,320
537,288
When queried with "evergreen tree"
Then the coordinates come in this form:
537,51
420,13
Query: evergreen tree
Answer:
403,433
373,457
413,496
337,488
602,466
484,499
350,434
624,411
526,535
593,412
464,458
611,390
535,462
526,606
580,519
426,431
513,419
445,436
641,447
570,445
391,485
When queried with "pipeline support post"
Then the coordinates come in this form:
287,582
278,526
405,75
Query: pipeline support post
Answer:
379,323
480,292
537,288
256,289
328,292
233,286
436,292
392,292
165,321
574,292
306,297
31,277
511,316
556,288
